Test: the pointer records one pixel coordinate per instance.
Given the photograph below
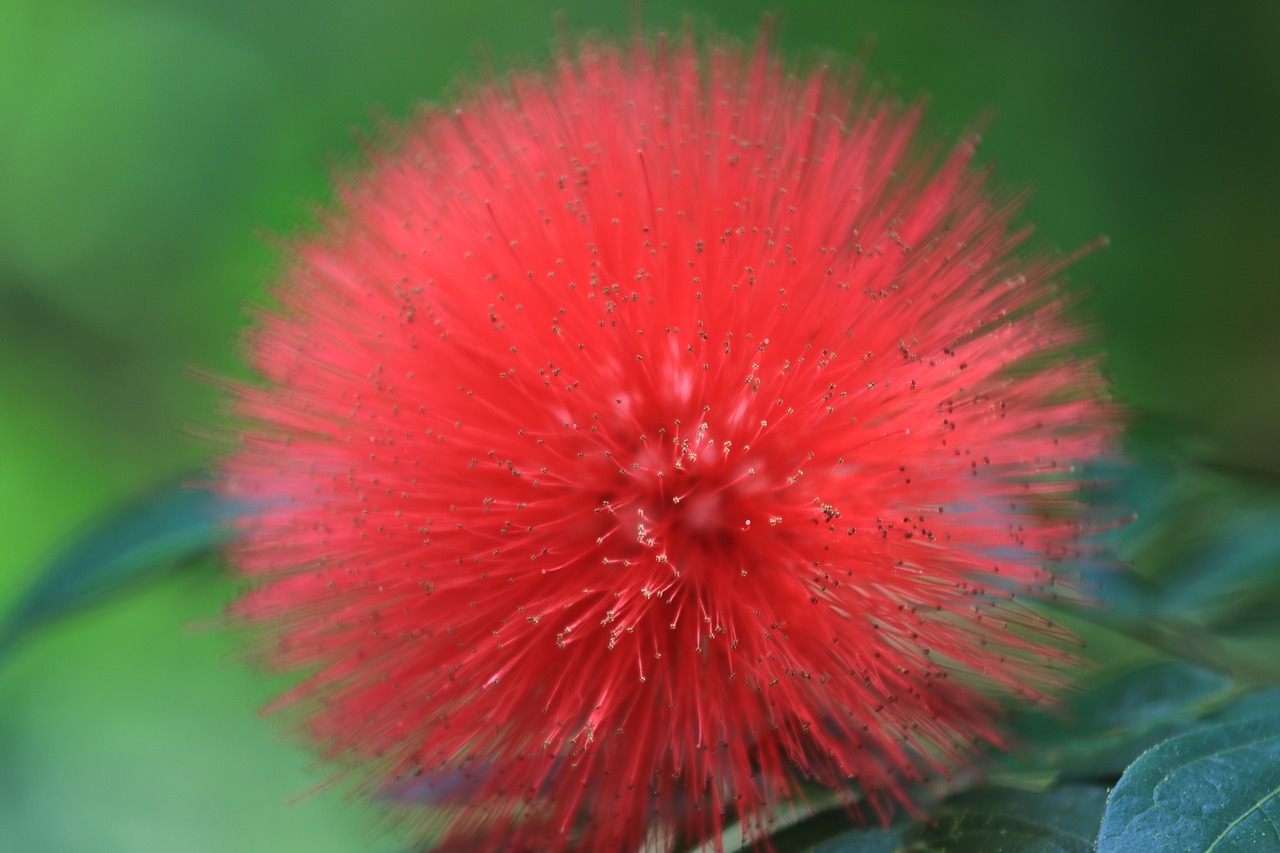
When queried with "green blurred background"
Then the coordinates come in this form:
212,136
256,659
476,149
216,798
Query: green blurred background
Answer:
149,149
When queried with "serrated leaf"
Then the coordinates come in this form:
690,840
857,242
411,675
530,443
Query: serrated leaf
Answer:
1213,790
157,532
1098,732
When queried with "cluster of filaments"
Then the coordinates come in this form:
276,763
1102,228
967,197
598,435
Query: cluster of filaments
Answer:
648,439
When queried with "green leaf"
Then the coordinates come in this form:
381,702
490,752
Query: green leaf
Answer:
155,533
1098,732
1214,789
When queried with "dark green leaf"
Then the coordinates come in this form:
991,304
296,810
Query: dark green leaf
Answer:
994,833
155,533
1214,789
860,841
830,827
1098,732
1074,809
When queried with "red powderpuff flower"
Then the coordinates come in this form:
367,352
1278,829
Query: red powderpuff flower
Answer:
645,439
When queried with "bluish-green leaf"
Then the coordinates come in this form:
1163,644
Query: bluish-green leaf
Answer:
1263,703
1213,790
1209,540
1204,544
150,535
1099,731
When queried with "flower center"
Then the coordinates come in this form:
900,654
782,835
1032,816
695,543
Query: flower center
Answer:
700,514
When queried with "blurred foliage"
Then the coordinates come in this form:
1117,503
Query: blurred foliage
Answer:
160,531
147,147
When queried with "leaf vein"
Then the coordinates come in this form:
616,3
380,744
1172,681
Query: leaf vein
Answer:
1272,793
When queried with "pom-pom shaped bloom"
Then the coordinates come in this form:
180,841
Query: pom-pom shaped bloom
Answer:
641,440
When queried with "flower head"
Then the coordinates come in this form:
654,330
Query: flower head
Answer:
642,440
